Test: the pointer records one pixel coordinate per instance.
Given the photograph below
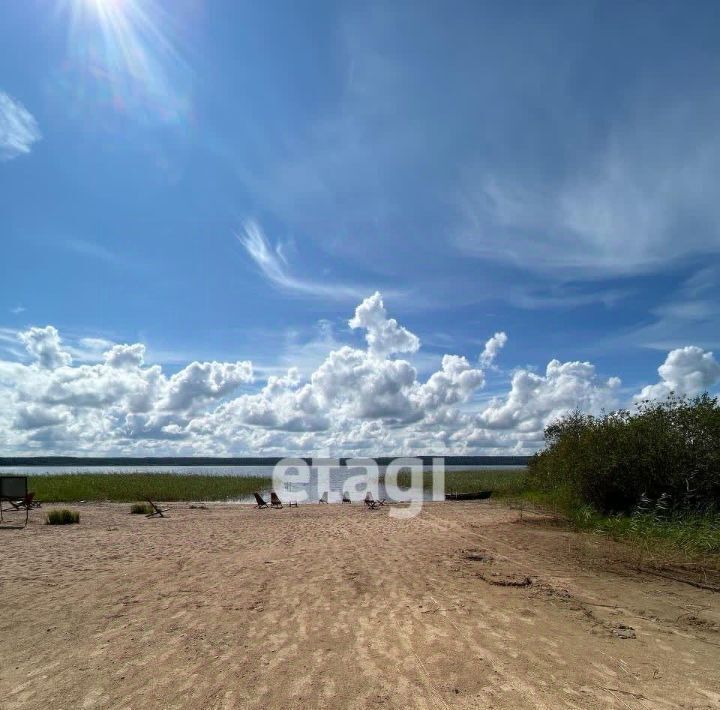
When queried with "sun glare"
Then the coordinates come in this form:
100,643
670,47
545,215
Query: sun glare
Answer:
104,6
123,48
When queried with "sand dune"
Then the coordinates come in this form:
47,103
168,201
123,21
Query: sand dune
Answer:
340,607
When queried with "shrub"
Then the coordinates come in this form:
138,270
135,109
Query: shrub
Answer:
62,517
140,509
667,450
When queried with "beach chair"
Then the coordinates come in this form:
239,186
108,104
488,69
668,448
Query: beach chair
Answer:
324,498
13,489
346,498
275,502
28,502
371,503
259,502
157,512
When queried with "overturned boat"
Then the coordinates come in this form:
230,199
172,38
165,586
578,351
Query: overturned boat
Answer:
478,495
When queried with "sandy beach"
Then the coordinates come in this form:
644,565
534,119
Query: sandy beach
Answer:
339,607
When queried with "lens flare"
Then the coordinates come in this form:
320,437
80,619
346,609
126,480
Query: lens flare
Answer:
125,59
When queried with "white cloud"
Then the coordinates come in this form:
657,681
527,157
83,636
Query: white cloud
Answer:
361,385
686,371
18,128
492,347
34,416
274,267
112,404
356,401
535,400
383,334
644,197
202,382
687,315
94,250
124,356
281,405
44,344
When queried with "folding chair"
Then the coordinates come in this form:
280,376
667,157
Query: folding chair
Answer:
346,498
26,503
370,502
157,512
13,489
259,502
275,502
324,498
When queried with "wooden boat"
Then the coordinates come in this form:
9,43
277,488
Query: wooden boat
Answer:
478,495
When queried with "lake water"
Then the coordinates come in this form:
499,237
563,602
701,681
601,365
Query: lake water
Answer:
341,478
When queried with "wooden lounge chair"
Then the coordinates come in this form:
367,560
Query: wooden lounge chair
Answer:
346,498
324,498
371,503
275,502
259,502
27,503
157,512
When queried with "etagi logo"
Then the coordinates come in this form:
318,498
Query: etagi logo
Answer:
402,481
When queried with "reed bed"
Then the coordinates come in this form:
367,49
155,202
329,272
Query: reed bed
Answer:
502,482
130,487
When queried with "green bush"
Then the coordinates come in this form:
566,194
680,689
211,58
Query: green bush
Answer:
62,517
140,509
668,450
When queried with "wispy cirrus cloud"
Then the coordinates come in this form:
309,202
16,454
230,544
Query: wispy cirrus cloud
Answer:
643,199
18,128
93,250
273,264
689,315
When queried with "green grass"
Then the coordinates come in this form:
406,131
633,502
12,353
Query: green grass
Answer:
128,487
652,531
691,534
664,534
502,482
62,517
141,509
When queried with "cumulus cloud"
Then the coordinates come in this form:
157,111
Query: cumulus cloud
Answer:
201,382
44,344
492,347
534,400
18,128
453,383
686,371
125,356
383,334
282,405
356,401
110,405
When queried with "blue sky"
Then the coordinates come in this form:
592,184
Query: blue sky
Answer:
227,182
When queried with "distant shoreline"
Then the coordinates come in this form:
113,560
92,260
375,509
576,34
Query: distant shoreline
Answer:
239,461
